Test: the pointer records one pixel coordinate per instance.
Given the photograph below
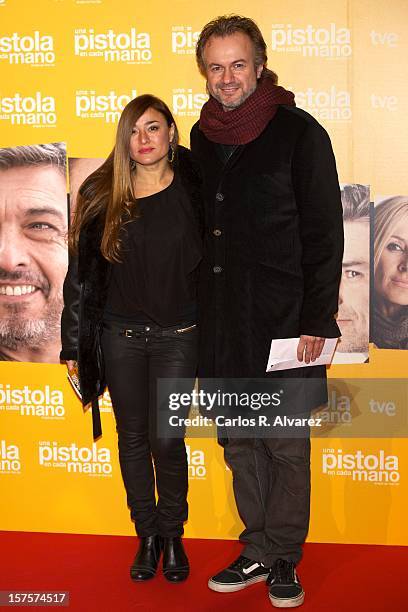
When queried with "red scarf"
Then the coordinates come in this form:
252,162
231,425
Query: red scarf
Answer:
245,123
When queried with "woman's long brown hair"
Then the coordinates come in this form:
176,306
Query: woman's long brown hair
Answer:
108,192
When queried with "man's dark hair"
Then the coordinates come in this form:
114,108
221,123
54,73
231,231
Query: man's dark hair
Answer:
356,202
227,25
34,155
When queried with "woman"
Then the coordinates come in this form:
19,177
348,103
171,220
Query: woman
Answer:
390,318
130,314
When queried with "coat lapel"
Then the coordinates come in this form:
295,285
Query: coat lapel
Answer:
228,160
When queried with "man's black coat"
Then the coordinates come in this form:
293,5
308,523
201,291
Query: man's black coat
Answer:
273,244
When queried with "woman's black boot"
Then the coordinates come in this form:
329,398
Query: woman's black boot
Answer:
175,562
147,558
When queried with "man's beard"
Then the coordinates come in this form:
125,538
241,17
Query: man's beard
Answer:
18,328
236,103
353,345
354,337
17,331
353,341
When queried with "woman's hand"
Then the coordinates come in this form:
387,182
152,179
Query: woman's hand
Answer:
72,366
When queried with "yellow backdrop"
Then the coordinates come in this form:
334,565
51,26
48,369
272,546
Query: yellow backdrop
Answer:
68,67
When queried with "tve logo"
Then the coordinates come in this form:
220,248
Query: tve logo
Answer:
36,49
333,42
108,107
131,47
388,39
378,468
37,110
188,104
388,408
183,40
325,105
389,103
9,458
46,403
75,459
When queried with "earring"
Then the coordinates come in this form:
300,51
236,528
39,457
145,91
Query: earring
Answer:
171,151
132,164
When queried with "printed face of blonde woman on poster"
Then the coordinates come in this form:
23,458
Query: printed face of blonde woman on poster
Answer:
391,281
390,320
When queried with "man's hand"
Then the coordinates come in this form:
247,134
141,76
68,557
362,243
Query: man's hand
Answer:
309,347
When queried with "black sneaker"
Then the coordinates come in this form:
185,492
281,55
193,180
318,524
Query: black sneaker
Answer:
241,573
285,589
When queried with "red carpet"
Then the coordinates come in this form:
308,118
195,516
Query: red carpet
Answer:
94,569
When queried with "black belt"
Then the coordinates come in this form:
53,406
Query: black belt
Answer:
145,331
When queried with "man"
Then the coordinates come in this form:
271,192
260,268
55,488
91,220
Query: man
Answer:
271,269
353,318
33,251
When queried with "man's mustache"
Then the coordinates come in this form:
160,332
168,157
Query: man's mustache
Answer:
228,85
27,278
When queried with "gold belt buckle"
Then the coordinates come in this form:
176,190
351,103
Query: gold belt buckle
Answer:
184,329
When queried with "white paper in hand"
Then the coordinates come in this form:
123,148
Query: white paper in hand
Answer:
283,354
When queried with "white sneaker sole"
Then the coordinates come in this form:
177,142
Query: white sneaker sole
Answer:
287,603
232,588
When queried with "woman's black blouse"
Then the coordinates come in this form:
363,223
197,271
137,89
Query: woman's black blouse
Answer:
156,280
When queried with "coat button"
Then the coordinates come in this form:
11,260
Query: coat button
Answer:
219,197
217,232
217,269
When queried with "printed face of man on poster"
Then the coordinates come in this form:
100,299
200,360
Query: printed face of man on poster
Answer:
79,168
33,251
353,317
